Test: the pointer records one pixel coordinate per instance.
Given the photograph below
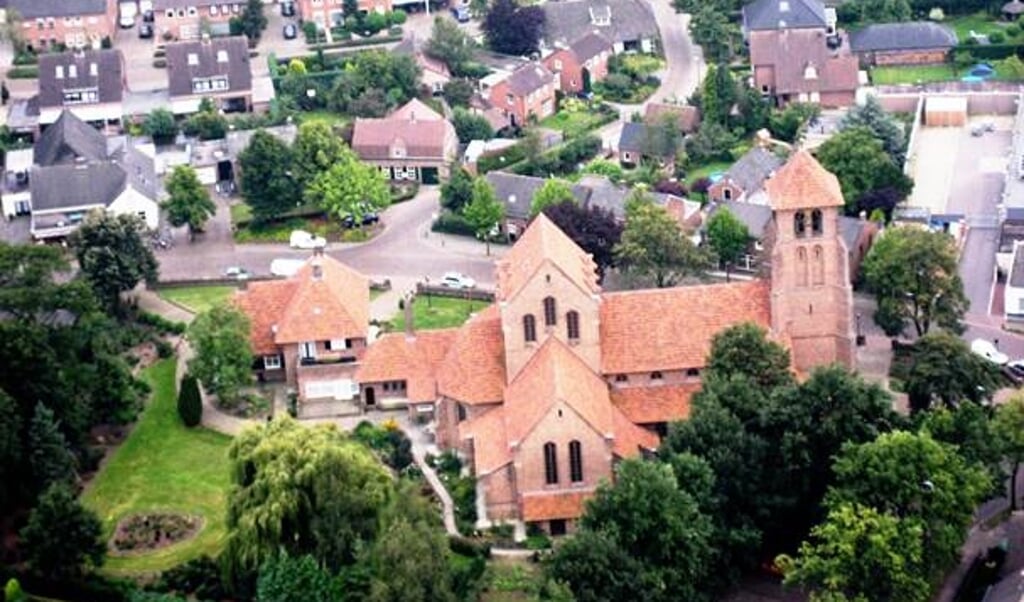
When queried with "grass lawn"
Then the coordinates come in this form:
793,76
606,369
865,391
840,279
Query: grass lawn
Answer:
512,580
576,123
198,299
323,117
980,23
163,466
912,74
703,171
439,312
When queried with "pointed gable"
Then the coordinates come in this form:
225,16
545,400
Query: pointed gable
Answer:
416,110
414,359
544,241
803,183
69,139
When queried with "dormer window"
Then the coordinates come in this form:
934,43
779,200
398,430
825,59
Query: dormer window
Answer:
222,56
193,59
72,71
783,6
94,70
810,72
397,152
600,16
60,72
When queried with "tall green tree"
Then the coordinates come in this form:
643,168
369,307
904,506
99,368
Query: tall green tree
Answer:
654,247
267,182
112,255
160,125
1008,427
62,539
350,188
49,455
410,563
552,192
10,447
450,45
859,160
914,277
788,124
469,126
969,427
944,372
315,150
728,237
645,516
283,578
513,29
746,350
485,212
304,490
918,479
714,33
886,128
457,192
860,553
223,357
719,94
188,202
252,21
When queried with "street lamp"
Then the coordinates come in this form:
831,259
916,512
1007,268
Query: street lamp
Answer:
860,336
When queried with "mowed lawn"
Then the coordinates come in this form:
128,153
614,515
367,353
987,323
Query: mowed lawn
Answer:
198,299
439,312
912,74
164,467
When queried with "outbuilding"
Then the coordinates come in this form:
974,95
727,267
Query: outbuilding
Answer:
945,111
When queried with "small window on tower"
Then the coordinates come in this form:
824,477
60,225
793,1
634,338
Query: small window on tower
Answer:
800,224
817,226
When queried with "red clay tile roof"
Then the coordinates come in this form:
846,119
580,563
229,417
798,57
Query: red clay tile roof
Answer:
420,130
544,241
649,405
630,438
490,442
554,374
672,328
264,302
473,371
803,183
304,308
415,360
549,506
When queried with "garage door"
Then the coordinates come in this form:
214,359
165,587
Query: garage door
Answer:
428,175
341,389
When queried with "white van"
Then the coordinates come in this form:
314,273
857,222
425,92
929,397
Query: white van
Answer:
286,268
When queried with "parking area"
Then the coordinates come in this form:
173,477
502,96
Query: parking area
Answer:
273,39
138,57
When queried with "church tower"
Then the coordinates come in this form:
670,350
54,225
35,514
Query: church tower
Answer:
811,296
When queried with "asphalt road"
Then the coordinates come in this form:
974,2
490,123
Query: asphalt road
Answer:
405,249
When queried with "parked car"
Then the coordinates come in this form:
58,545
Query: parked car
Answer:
286,267
461,13
145,31
290,31
369,217
236,273
287,9
126,21
147,16
457,280
300,239
988,350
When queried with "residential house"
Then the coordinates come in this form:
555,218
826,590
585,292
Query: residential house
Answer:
744,181
56,24
310,330
74,170
545,390
911,43
640,141
797,54
516,192
521,95
89,83
580,64
331,13
191,19
217,69
412,143
628,24
686,117
434,74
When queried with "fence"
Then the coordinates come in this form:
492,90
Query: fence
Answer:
475,294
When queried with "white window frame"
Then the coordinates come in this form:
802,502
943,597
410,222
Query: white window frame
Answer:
271,362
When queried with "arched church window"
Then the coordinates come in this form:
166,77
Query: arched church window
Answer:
818,266
801,266
817,222
800,224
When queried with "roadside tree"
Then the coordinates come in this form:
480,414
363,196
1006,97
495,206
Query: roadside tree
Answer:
484,212
315,150
653,247
728,237
267,181
223,358
188,202
1008,427
943,372
113,256
350,189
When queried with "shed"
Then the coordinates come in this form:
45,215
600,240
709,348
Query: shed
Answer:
1013,9
945,111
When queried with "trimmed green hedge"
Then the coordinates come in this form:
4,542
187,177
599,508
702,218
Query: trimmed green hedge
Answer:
372,41
452,223
24,72
992,51
507,157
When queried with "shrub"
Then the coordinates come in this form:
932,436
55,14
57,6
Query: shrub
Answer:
200,577
1012,30
164,349
190,404
160,323
997,37
13,592
673,187
401,450
452,223
468,547
24,72
397,17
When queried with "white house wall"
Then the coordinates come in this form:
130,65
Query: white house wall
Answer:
133,202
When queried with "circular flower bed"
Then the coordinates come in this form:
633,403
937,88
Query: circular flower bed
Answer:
141,532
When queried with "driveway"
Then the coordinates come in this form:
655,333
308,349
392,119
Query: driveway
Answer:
138,58
273,39
405,249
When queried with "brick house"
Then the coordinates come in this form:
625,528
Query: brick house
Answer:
412,143
331,13
190,19
914,43
797,54
628,24
216,68
645,141
47,24
583,62
527,92
88,83
744,180
310,330
546,390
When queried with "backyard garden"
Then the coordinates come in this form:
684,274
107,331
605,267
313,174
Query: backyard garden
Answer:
432,312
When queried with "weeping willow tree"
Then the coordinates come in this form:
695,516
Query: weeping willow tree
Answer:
304,491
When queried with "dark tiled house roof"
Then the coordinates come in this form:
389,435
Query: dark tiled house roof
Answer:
67,139
784,14
516,192
755,217
639,138
529,78
211,61
918,35
100,69
35,9
590,45
570,20
753,168
76,185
